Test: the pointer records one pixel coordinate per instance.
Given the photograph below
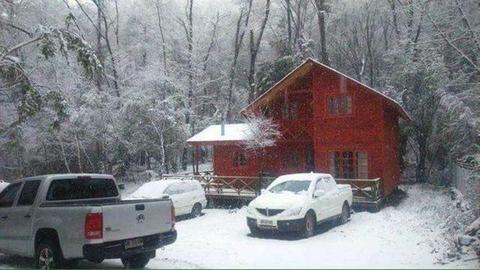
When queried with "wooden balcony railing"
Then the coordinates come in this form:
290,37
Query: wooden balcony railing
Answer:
228,185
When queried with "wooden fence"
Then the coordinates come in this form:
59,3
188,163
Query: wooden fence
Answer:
365,191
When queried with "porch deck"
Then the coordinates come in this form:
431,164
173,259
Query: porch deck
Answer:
367,193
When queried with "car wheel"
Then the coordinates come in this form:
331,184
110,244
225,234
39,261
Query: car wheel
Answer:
136,261
48,255
345,214
309,225
196,210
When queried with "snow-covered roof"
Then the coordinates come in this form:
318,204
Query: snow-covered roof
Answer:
213,134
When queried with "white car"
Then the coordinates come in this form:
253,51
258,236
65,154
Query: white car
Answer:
188,196
297,202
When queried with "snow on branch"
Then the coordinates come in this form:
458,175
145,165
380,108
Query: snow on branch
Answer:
263,132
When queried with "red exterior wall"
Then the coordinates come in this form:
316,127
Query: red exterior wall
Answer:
372,127
391,151
223,156
362,130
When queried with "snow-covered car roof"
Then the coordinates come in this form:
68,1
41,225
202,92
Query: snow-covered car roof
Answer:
156,189
297,177
302,176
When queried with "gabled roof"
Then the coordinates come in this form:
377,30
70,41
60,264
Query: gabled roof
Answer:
303,69
213,134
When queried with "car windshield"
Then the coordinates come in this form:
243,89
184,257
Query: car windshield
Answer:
292,186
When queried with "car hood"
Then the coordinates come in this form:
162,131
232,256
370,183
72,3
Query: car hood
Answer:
278,201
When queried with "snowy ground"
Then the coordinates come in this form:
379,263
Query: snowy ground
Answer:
406,236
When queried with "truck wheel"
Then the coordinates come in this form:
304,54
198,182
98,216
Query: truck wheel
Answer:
308,229
48,255
196,210
136,261
345,214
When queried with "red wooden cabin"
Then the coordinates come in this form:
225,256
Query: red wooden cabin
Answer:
329,123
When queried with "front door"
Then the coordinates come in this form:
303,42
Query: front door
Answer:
322,204
21,217
7,230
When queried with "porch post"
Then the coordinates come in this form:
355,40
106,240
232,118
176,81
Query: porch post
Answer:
194,146
197,154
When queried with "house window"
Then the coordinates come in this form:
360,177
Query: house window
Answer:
291,110
267,112
239,159
349,164
338,105
362,165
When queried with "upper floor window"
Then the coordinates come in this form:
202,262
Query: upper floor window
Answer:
291,110
239,159
338,105
267,112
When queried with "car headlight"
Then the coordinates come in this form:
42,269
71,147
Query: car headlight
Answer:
292,212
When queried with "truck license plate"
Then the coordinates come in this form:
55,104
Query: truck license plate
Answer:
264,222
133,243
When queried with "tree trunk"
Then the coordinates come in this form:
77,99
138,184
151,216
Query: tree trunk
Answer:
98,80
289,24
254,47
162,36
162,154
239,34
64,155
394,17
321,10
117,23
421,162
189,35
79,155
106,26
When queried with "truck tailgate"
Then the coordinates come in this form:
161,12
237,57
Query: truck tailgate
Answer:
135,218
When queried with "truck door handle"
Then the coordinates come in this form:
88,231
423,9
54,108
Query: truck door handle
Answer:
27,216
4,217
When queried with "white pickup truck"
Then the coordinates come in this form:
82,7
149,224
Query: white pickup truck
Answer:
60,219
297,202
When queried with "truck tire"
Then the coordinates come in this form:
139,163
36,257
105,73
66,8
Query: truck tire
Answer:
345,215
48,255
196,210
137,261
309,223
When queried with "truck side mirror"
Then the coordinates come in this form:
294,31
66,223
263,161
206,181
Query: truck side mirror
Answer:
121,186
318,193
